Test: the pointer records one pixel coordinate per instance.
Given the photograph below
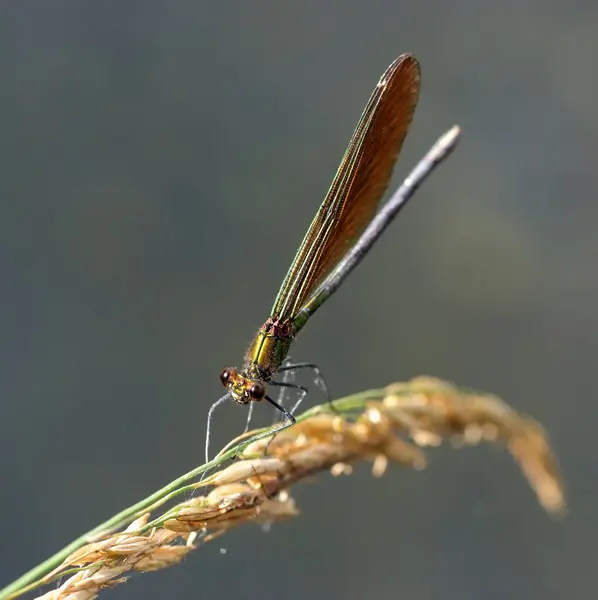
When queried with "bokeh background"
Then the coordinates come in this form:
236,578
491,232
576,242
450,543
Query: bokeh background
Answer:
160,162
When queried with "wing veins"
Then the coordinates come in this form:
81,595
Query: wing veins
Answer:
356,189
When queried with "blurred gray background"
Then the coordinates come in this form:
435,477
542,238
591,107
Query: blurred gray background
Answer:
160,164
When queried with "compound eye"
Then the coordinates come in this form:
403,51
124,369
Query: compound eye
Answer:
225,376
257,391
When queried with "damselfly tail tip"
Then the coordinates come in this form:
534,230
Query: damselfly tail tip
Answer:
451,136
444,146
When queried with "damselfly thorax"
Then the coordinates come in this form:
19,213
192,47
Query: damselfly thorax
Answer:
262,361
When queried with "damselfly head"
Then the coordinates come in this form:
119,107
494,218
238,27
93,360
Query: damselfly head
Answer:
242,389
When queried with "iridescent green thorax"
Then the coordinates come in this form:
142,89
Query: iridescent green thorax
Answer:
268,350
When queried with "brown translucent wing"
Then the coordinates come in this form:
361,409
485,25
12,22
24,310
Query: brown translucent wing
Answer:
359,183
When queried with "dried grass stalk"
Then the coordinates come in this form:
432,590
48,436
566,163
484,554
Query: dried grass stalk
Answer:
255,488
